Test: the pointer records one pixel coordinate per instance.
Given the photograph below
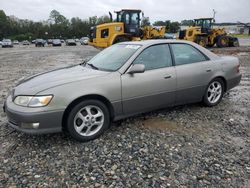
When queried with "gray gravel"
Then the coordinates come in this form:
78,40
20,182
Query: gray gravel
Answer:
184,146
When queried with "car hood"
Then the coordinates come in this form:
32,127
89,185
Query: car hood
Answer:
40,82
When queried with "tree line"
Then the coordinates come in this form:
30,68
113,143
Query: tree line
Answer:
58,26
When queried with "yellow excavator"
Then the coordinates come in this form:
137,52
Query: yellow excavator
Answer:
205,35
125,28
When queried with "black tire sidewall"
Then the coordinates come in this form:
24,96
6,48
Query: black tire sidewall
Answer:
205,98
70,120
219,43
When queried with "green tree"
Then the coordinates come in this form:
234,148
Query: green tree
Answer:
78,27
171,27
187,22
57,18
93,20
3,24
103,19
174,27
145,21
59,25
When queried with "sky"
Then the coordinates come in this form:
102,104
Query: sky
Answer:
174,10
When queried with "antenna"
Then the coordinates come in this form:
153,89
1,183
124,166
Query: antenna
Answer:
214,12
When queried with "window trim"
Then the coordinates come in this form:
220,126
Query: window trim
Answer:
173,58
172,62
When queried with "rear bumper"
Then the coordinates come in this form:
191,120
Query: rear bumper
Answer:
39,44
233,82
49,121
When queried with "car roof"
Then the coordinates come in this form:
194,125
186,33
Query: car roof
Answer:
156,41
147,43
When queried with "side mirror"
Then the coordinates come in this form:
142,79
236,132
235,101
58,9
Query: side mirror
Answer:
85,60
137,68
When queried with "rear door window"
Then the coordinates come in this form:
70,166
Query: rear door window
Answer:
186,54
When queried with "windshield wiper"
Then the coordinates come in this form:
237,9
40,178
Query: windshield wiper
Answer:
92,66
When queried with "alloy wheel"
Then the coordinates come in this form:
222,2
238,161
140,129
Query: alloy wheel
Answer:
88,120
214,92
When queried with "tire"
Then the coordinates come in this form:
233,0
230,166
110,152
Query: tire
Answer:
81,123
223,41
214,92
202,41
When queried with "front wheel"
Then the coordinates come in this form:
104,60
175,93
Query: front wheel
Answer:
202,41
214,92
88,120
223,41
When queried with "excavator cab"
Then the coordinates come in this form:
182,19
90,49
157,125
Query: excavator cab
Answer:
131,20
205,24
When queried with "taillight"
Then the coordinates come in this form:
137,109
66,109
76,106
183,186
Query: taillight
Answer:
238,68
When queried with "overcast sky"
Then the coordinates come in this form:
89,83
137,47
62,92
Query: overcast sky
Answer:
174,10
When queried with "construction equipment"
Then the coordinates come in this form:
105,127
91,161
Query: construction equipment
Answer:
203,34
125,28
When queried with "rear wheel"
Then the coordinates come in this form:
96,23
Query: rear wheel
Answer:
88,120
214,92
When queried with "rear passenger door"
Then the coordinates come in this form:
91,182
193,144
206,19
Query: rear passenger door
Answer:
193,71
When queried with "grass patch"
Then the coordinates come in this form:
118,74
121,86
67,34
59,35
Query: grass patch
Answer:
239,35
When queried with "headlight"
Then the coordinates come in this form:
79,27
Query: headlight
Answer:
33,101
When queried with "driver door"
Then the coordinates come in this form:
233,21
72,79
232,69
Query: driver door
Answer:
153,89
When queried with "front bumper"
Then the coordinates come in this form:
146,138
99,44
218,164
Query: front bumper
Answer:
22,119
7,45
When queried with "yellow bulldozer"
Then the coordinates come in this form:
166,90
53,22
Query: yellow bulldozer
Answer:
126,27
205,35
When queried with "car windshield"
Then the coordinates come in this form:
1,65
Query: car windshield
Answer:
112,58
6,40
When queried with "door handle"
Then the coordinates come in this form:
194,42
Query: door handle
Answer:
167,77
208,70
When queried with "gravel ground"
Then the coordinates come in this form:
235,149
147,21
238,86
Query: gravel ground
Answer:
185,146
